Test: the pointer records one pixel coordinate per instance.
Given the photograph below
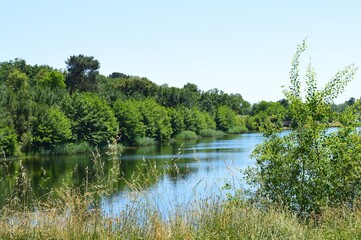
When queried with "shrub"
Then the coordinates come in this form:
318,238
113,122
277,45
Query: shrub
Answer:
225,118
7,140
93,119
144,141
237,130
211,133
186,135
310,168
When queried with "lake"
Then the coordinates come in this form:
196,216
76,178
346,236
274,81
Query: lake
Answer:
177,173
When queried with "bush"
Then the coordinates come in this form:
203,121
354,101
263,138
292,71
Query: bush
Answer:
93,119
7,141
310,168
50,130
144,141
130,121
225,118
237,130
71,148
186,135
211,133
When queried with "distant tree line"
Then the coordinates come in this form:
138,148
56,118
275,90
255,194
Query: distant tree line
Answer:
42,108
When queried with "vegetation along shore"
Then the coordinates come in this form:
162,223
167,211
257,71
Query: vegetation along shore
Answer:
305,184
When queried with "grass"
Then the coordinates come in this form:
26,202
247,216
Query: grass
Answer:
237,130
74,212
211,133
145,141
69,218
68,149
185,135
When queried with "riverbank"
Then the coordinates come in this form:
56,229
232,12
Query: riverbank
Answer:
212,218
71,211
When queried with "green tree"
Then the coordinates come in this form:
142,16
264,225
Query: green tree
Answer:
177,120
130,120
266,113
51,129
137,88
17,80
310,168
225,118
92,119
51,78
189,95
156,120
7,140
82,73
118,75
16,99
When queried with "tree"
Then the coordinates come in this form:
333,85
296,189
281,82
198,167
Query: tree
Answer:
93,120
156,120
115,75
51,78
177,120
7,139
82,73
50,130
189,95
310,168
137,88
225,118
130,120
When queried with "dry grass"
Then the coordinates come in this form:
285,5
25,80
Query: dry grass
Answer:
70,218
75,213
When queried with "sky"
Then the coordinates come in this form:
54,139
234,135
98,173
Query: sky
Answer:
237,46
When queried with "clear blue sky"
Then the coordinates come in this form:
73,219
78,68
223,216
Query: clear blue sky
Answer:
237,46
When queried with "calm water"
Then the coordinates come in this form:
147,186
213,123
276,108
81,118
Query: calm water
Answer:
203,167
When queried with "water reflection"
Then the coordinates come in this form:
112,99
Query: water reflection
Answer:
176,172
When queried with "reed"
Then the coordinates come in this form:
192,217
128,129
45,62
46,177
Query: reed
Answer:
74,212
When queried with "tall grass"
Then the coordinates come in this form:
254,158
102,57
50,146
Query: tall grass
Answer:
145,141
237,130
211,133
69,149
185,135
72,212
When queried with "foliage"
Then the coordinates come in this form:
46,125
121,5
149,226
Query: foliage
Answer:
71,148
225,118
211,133
74,212
130,121
176,120
82,73
33,100
196,120
118,75
156,119
237,130
311,167
186,135
136,87
52,129
92,119
51,78
144,141
7,140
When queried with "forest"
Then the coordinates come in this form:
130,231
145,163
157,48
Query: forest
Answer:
44,110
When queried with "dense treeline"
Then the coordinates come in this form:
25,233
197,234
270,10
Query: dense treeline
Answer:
43,109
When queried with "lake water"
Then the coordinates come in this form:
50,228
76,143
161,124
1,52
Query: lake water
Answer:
202,168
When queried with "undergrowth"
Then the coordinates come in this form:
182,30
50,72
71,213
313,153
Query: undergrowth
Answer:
74,212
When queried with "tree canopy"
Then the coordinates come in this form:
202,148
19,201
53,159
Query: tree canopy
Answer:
311,167
82,73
